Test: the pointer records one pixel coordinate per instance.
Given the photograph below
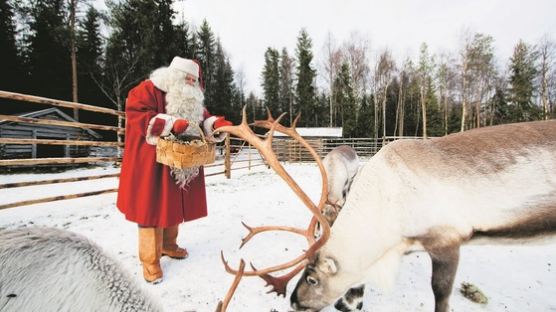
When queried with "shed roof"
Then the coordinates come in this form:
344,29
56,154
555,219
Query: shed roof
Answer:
43,112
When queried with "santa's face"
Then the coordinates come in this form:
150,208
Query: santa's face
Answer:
190,80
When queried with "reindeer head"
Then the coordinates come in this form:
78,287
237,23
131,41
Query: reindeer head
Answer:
318,287
314,285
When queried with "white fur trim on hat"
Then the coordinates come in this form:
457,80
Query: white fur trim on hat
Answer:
208,126
153,139
185,65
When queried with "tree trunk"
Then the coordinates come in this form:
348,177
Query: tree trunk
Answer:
463,96
424,111
75,98
384,110
445,114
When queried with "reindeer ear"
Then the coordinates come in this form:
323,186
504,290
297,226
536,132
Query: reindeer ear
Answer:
328,266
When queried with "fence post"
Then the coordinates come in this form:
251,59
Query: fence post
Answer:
227,156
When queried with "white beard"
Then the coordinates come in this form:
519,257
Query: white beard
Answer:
182,101
185,101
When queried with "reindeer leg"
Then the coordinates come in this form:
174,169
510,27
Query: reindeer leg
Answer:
444,266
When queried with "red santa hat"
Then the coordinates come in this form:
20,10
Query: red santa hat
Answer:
185,65
188,66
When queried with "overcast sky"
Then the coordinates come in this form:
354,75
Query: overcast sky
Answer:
247,27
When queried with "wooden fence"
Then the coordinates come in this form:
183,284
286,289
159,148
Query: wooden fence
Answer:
292,151
234,154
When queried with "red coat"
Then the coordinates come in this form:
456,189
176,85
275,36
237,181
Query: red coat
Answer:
148,194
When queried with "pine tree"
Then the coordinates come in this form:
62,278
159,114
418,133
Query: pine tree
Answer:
162,46
286,92
345,97
365,117
305,90
522,88
142,39
500,108
12,71
89,57
271,81
426,67
224,88
49,53
185,46
206,50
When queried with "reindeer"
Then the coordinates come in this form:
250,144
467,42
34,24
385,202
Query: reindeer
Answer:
494,184
47,269
341,166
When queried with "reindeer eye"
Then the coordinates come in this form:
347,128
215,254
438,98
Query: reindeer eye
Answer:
312,281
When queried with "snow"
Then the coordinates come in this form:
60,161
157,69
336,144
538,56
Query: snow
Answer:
514,278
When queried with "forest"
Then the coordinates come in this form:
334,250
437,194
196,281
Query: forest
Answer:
71,50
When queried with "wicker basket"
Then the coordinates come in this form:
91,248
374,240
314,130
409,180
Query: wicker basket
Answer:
178,154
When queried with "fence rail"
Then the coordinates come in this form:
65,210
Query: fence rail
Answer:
50,122
57,103
58,142
235,155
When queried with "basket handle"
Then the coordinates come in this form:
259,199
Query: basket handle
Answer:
203,137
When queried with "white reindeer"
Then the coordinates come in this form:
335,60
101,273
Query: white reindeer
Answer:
46,269
341,165
494,183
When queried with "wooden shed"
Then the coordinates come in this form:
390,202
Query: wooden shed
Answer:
20,130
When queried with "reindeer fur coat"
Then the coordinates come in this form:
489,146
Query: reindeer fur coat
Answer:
51,270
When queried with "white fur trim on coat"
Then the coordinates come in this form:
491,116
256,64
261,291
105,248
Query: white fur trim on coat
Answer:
153,139
208,126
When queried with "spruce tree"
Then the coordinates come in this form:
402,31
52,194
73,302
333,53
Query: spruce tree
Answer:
500,109
185,46
522,87
345,99
89,58
271,81
12,71
49,53
286,93
365,117
142,39
224,88
305,90
206,50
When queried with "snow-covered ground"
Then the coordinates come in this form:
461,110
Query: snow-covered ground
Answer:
515,278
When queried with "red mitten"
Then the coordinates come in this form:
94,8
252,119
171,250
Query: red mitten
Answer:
221,122
180,125
158,126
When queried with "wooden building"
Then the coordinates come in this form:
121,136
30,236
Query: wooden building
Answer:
288,149
20,130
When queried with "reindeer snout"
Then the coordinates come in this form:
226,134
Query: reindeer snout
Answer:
298,307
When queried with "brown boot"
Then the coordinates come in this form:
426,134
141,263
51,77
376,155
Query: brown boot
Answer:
150,251
169,246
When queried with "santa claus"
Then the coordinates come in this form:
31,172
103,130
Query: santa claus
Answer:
153,195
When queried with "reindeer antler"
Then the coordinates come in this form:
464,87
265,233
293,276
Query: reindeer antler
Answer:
264,146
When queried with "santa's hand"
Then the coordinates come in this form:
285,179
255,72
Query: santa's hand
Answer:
179,126
221,122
